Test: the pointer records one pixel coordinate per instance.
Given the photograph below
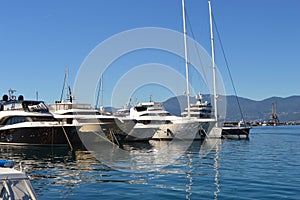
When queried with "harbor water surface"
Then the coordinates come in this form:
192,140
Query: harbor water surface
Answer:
264,167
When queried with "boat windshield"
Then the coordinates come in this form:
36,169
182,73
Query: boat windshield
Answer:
157,114
31,106
35,106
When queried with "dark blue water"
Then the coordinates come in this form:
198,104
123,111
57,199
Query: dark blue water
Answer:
267,166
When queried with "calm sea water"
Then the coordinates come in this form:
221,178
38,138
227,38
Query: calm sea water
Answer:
264,167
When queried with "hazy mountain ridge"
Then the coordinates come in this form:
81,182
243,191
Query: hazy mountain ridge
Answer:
288,109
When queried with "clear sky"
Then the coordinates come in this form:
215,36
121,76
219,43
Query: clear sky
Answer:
38,39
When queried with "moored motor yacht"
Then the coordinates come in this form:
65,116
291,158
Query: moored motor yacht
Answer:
170,126
199,109
141,131
230,130
86,119
29,122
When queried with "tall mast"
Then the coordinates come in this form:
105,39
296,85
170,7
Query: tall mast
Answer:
101,90
186,59
213,60
67,84
99,93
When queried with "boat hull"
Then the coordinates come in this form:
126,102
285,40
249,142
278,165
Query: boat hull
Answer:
114,130
51,135
141,132
235,132
183,131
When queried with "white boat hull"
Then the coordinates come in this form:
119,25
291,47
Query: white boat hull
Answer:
193,130
142,132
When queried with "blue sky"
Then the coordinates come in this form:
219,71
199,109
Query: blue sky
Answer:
40,38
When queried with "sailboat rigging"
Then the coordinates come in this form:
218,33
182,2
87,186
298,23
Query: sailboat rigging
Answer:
240,131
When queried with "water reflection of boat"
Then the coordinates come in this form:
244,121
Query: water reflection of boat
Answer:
29,122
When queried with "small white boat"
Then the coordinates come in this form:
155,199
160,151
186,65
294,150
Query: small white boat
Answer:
14,184
235,130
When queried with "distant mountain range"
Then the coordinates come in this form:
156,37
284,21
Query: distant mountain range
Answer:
288,109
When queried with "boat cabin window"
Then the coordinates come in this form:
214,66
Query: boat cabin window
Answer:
164,114
15,120
40,119
154,122
141,108
82,113
20,119
12,106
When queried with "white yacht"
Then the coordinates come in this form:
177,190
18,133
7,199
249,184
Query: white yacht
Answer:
14,184
169,126
84,118
28,122
200,109
87,119
141,131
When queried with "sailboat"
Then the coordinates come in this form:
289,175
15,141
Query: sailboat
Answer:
200,110
204,109
230,131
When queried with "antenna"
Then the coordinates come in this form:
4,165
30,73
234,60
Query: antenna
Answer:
11,94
